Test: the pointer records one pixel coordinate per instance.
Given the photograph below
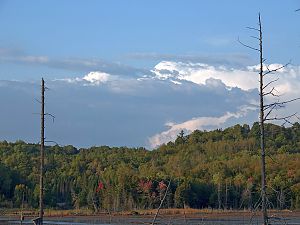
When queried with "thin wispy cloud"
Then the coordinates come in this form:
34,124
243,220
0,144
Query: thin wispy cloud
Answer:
17,56
233,59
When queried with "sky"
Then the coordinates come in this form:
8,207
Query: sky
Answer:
135,73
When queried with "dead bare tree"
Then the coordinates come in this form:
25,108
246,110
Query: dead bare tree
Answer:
39,220
161,203
41,212
266,110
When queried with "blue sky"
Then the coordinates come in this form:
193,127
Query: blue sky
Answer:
115,30
133,64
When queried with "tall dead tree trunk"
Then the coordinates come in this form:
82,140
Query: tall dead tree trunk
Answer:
41,211
39,220
265,110
262,127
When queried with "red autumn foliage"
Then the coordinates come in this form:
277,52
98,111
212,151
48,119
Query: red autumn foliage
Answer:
145,186
162,185
100,186
291,173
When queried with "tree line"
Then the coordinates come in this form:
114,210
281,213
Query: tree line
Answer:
216,169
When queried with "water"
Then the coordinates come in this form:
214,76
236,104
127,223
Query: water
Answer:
164,220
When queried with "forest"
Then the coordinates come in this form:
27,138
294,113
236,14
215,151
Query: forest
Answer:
205,169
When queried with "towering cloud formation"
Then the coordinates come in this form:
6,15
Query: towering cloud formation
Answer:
116,109
244,78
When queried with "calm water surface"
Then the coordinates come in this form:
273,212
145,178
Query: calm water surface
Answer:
166,220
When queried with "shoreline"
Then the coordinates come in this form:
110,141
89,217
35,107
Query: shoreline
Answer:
191,213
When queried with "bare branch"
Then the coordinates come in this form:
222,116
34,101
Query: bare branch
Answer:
270,83
289,122
271,93
49,114
270,111
274,70
247,46
285,118
38,101
252,28
270,204
254,37
277,104
267,67
273,159
280,104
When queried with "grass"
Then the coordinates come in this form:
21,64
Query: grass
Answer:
174,211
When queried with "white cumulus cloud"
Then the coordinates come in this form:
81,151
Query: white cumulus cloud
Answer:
92,78
245,78
199,73
96,77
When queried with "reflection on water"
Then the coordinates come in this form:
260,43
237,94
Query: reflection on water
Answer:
147,220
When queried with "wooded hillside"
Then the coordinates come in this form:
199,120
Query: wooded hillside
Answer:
219,169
